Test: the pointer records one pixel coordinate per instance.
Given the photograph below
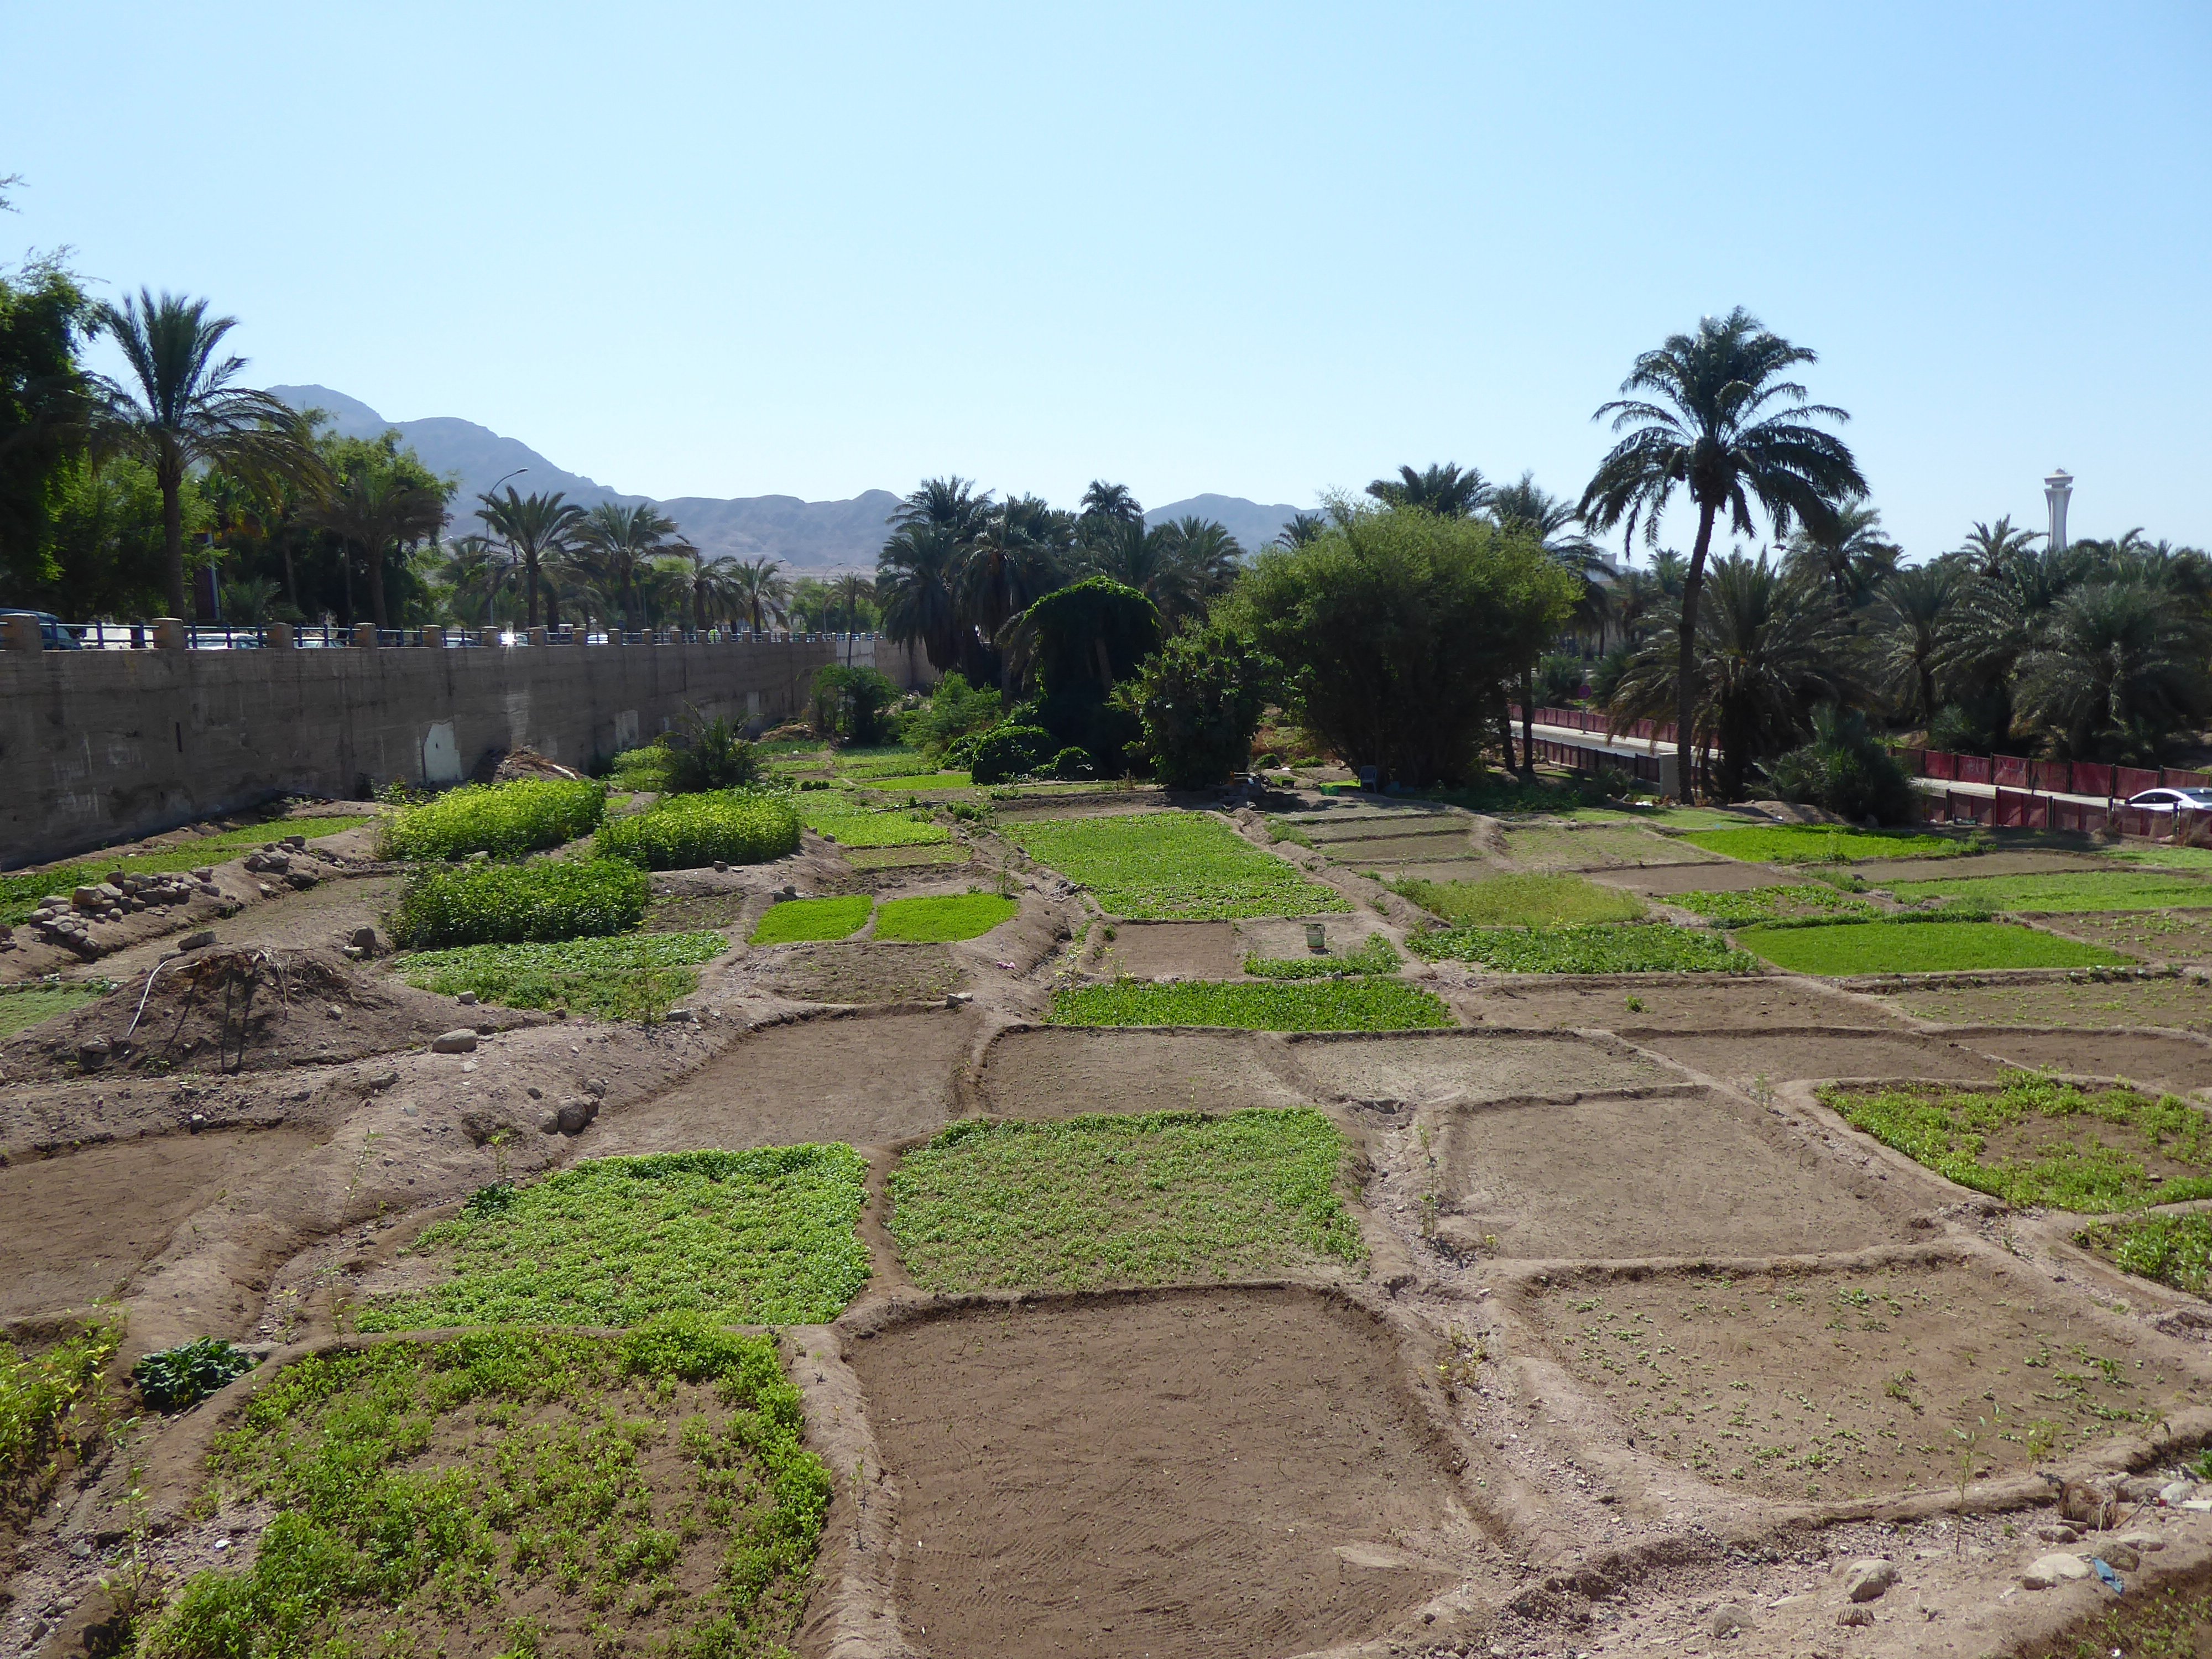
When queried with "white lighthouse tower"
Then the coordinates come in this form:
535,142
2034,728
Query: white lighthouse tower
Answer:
2057,488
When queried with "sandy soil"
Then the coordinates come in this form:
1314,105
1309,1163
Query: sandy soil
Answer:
1730,877
1059,1074
1673,1175
862,972
2177,1004
867,1080
2175,936
1779,1055
1286,936
2154,1063
1373,852
1879,872
323,916
1173,950
1209,1473
1685,1005
1599,847
1450,1066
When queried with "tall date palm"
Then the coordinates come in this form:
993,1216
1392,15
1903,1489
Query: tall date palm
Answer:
622,539
1713,414
536,528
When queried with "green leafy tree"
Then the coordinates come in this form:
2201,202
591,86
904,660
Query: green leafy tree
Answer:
1842,767
2119,672
1198,702
1074,646
1994,547
1849,552
374,499
1711,413
106,539
536,528
915,576
45,404
849,703
1400,630
177,409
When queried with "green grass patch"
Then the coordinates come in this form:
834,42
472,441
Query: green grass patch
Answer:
477,1495
22,1007
904,858
760,1237
1376,956
940,921
1632,948
1337,1005
20,891
1819,843
511,903
507,820
632,976
887,760
1167,866
914,783
1523,901
1780,903
2168,858
1165,1198
2034,1139
2173,1250
797,920
850,824
2063,892
685,832
1901,947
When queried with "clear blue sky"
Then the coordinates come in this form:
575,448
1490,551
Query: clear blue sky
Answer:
1263,249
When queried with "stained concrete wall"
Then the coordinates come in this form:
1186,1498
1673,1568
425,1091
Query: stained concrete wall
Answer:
97,746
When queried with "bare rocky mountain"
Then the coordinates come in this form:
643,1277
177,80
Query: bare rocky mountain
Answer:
808,535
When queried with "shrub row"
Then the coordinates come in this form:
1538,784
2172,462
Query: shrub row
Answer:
517,903
506,820
686,831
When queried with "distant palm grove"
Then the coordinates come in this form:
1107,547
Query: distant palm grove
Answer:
1789,647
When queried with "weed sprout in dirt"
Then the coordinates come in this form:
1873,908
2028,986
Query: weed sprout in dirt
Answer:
1172,865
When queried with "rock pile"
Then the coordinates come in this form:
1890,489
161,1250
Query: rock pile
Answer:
67,919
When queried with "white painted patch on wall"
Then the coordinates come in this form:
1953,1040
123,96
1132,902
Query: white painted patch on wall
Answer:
626,729
752,705
441,755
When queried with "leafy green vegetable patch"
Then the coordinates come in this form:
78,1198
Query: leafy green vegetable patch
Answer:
1780,903
506,820
1902,946
797,920
1376,956
1163,865
2173,1250
1165,1198
514,904
1522,900
1633,948
626,977
2065,892
1819,843
940,921
850,824
685,832
1340,1004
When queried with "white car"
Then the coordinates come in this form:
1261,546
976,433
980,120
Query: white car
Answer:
2191,799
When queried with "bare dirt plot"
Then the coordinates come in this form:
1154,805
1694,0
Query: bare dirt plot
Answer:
1469,1067
2173,1064
2179,1004
2154,935
1671,1174
1851,1383
1286,936
1450,870
1881,873
324,915
1745,1056
864,973
1179,950
1602,848
1218,1473
1692,878
1057,1073
81,1225
1716,1005
1368,851
866,1081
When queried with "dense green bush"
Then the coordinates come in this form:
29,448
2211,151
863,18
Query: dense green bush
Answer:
1844,770
174,1378
1198,702
517,903
710,754
686,831
1071,765
1008,752
955,710
849,704
506,820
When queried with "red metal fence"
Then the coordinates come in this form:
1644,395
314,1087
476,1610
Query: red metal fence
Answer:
2050,777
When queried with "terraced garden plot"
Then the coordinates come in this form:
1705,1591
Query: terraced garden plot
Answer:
2063,892
81,1225
1116,1199
2164,858
20,890
1853,1383
1369,852
2033,1139
1662,880
1360,1005
1671,1174
22,1007
753,1237
2173,1065
942,919
805,920
1819,843
1920,947
850,824
2176,936
1654,947
1521,901
906,858
625,978
1716,1004
916,782
1603,846
1778,904
864,1080
1780,1056
1214,1472
1470,1068
2175,1250
1048,1073
590,1494
1172,865
1183,949
2084,1002
861,973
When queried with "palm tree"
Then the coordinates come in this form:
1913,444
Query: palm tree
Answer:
1304,527
1911,610
1150,560
915,577
1993,546
1697,414
482,572
181,411
1014,558
853,590
620,539
1444,491
1770,647
2119,669
1850,553
1525,509
761,595
373,510
949,503
535,527
1110,501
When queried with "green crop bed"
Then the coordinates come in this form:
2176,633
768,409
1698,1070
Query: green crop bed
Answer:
1165,1198
1340,1004
1633,948
631,976
509,903
687,832
22,1007
797,920
1376,956
1918,947
2167,858
20,890
1777,903
917,783
481,1495
1819,843
1171,866
2034,1139
2173,1250
1523,900
506,820
941,920
2065,892
761,1237
848,823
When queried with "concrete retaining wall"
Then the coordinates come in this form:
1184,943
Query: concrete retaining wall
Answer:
98,747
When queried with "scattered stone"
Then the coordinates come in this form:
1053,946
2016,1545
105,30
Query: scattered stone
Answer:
198,941
575,1112
92,1052
1855,1615
958,998
596,1087
205,872
298,841
462,1041
1866,1580
364,940
534,1092
549,1123
477,858
467,998
722,866
2045,1570
1733,1618
2147,1542
301,880
2058,1532
2123,1556
682,1017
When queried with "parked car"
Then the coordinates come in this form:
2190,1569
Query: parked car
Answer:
2192,799
57,637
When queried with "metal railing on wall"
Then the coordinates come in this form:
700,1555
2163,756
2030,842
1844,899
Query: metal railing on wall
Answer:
227,636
